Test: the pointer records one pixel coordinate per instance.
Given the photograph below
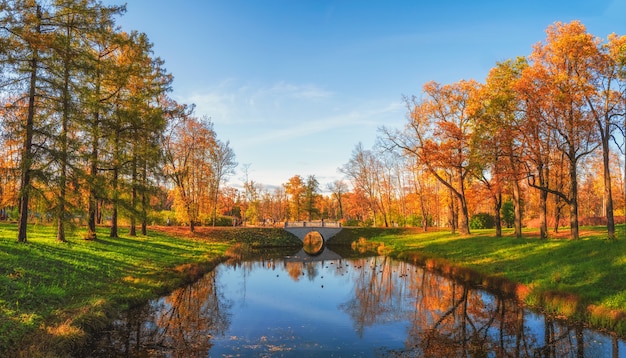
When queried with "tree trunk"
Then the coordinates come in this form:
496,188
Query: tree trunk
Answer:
424,213
498,217
464,224
383,210
62,189
144,200
93,170
192,223
543,214
27,150
93,194
557,213
464,219
340,207
573,204
215,199
608,191
144,216
65,117
558,199
453,213
517,203
133,198
113,232
544,174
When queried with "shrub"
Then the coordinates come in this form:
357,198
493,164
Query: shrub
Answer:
161,217
224,221
417,220
508,213
351,222
482,221
414,220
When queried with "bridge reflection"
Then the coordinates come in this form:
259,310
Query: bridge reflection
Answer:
325,254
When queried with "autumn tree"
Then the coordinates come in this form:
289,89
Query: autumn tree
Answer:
606,104
356,206
439,135
557,80
296,190
280,208
24,48
10,121
338,188
101,83
311,189
252,201
399,186
538,146
422,191
497,138
363,169
66,47
140,121
223,165
71,23
389,186
188,145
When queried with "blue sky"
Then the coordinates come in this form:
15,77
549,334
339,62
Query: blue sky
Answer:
295,85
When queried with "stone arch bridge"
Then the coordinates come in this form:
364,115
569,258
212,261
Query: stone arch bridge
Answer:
327,229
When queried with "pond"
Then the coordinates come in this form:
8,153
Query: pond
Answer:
324,305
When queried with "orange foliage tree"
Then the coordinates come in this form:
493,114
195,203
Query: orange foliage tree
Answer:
554,89
188,147
497,138
439,135
606,104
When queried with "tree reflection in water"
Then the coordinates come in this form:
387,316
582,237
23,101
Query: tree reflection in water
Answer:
363,307
448,319
182,324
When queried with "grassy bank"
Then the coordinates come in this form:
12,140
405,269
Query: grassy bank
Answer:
53,295
583,280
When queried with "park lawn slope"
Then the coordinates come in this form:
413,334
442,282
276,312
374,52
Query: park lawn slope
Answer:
582,280
54,295
252,236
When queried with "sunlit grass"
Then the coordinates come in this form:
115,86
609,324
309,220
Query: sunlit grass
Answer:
73,286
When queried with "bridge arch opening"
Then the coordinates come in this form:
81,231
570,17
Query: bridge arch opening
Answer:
313,243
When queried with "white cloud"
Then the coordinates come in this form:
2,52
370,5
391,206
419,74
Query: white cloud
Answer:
359,120
233,103
305,92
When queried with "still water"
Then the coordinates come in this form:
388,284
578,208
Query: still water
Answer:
307,306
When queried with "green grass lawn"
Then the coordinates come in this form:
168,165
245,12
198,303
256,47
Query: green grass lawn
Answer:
59,292
584,279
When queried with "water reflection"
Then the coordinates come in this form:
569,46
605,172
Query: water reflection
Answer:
346,307
182,324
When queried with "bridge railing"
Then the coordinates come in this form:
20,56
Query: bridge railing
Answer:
316,223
